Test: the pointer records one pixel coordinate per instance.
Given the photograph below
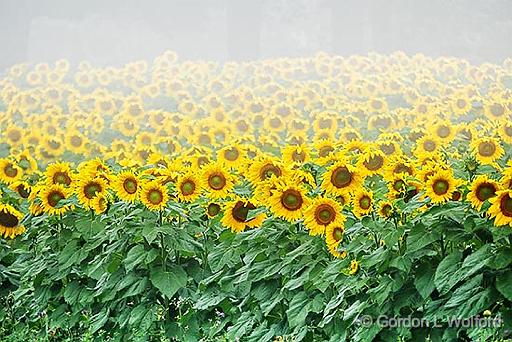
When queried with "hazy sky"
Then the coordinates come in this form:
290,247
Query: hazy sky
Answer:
119,31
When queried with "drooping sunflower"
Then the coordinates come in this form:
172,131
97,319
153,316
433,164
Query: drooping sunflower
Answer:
87,188
51,197
296,154
99,204
441,186
59,173
482,189
362,203
22,188
127,186
236,212
288,201
216,180
333,237
10,219
372,161
385,209
264,168
342,178
505,131
9,171
487,150
322,212
501,208
154,195
188,187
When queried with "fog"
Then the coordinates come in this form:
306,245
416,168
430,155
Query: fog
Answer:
117,32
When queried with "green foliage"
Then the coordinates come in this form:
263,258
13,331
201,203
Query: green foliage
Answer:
127,275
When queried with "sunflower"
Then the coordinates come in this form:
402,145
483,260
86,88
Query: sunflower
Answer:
342,178
385,209
441,186
372,161
87,188
213,209
501,208
59,173
494,109
51,197
321,213
264,168
216,180
127,186
236,213
10,221
288,201
362,203
154,195
22,188
233,156
505,131
427,145
9,171
333,237
487,150
296,154
188,187
483,188
354,267
99,204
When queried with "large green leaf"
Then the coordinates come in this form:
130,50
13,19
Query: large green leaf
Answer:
168,282
504,284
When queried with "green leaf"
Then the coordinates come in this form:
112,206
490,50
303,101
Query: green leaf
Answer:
99,320
424,280
298,309
168,282
134,257
444,279
504,284
149,232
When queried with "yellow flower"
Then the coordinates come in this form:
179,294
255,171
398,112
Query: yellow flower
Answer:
501,208
188,187
10,221
127,186
216,180
87,188
385,209
321,213
341,178
9,171
51,197
288,201
212,209
236,213
362,203
482,189
264,168
441,186
487,150
372,161
333,237
354,267
296,154
154,195
59,173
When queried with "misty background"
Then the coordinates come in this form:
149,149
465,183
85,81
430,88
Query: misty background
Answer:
114,32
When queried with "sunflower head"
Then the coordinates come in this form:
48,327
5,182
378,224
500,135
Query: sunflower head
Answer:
10,219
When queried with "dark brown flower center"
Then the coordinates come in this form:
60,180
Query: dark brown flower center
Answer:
386,210
188,187
54,198
429,145
232,154
497,109
298,156
387,148
337,234
508,131
398,185
402,168
213,209
76,141
61,178
91,189
461,103
23,191
217,181
10,170
291,199
341,177
374,163
269,170
506,205
8,220
485,191
486,149
155,196
241,210
324,214
324,151
443,131
440,187
130,185
14,135
365,202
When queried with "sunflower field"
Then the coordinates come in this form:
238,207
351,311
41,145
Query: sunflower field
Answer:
274,200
